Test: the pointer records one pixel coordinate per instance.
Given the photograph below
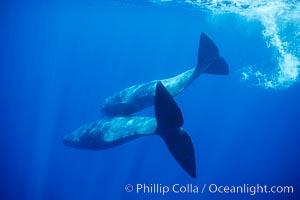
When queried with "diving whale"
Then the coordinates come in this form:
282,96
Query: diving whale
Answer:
138,97
167,123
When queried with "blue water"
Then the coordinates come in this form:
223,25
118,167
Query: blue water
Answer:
59,61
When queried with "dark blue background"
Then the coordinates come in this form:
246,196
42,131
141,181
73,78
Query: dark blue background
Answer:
59,61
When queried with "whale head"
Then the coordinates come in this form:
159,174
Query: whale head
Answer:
86,137
69,140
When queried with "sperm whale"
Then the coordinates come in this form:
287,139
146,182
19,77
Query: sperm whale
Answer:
110,132
138,97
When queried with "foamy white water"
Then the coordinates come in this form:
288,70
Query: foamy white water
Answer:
275,16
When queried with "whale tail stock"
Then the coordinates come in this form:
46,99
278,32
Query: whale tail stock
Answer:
169,120
209,60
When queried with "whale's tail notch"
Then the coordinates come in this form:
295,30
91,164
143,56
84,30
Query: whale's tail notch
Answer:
169,120
209,58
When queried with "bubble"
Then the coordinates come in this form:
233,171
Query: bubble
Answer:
276,16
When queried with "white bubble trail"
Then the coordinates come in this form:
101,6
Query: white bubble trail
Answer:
275,16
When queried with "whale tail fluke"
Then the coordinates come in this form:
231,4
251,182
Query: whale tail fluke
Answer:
209,60
169,120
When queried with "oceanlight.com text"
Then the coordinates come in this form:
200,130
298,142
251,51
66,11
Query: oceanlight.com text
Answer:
250,189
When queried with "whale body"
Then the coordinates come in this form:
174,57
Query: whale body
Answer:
110,132
107,133
138,97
